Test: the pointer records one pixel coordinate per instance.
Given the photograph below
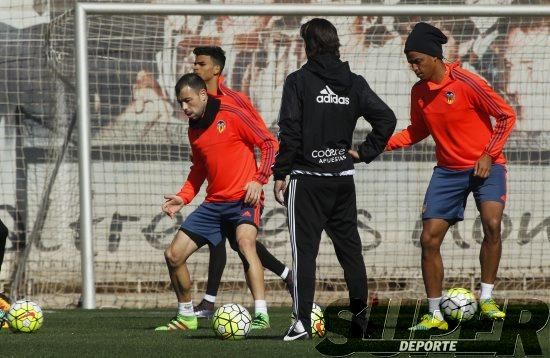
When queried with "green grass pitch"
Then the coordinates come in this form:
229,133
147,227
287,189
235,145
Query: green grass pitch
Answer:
129,333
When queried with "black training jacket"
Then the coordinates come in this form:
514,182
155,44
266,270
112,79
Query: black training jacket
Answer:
319,110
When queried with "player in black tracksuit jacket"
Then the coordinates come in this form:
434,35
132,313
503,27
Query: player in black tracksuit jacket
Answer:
320,107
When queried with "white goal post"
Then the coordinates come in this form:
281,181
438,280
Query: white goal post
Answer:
83,10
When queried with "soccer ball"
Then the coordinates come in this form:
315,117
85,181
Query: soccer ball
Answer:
317,321
25,316
5,304
459,304
231,321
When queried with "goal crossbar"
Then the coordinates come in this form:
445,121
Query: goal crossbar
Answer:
83,10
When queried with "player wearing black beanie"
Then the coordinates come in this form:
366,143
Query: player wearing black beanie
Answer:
427,39
455,107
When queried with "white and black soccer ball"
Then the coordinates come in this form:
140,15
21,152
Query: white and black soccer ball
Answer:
458,304
25,316
231,321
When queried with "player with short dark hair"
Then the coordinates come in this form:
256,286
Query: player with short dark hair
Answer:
454,106
215,53
209,64
319,110
220,136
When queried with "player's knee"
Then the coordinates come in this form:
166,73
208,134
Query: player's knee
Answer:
171,257
492,229
430,242
168,256
246,246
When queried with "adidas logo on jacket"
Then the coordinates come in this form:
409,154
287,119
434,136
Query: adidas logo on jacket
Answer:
327,96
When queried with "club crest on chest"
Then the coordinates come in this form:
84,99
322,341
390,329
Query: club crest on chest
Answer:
450,97
220,126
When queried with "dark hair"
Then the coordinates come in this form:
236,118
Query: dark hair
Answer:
215,52
320,37
192,80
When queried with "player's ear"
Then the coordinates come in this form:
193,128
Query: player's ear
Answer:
203,95
217,70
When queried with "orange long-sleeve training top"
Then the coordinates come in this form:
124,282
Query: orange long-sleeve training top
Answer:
456,112
222,146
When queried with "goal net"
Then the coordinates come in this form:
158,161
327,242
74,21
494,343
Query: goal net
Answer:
140,152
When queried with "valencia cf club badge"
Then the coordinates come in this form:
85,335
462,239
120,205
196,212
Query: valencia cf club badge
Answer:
221,126
450,97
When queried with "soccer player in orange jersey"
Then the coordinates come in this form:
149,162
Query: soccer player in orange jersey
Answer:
209,64
454,106
220,136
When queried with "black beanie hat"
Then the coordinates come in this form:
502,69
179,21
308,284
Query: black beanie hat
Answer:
427,39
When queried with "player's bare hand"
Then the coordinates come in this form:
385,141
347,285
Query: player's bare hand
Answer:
172,205
483,165
279,190
354,155
253,193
